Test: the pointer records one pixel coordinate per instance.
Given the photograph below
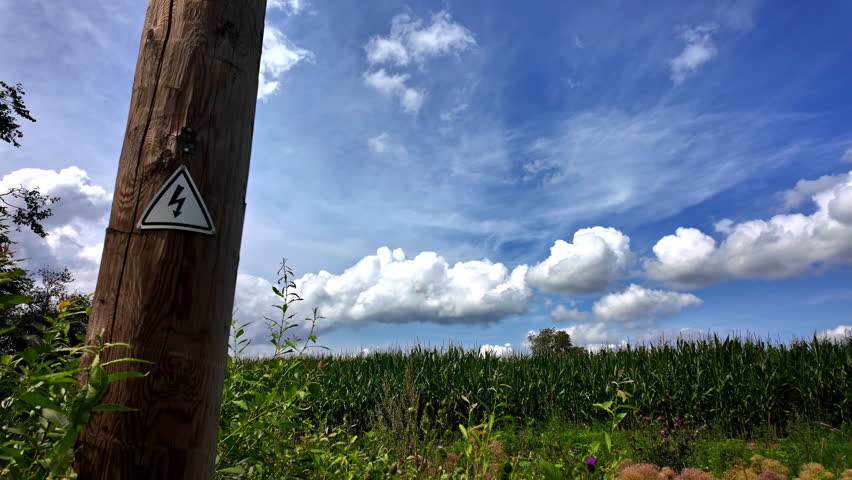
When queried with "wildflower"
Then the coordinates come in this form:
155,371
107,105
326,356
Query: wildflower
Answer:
591,462
409,447
632,438
523,454
665,439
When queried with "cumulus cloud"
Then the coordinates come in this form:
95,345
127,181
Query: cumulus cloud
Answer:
412,41
597,256
838,333
699,49
625,316
279,55
636,303
386,50
781,247
563,314
496,350
76,228
394,85
805,189
389,287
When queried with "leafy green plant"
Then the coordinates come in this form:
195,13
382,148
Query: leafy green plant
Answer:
264,401
44,408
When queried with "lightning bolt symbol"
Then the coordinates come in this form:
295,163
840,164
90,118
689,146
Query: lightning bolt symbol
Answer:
177,201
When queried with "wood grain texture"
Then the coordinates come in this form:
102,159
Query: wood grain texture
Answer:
170,293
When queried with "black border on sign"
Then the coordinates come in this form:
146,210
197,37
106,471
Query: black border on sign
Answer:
181,171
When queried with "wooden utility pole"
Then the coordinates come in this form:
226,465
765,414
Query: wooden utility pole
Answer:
169,293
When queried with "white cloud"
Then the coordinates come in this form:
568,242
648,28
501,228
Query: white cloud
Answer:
279,55
598,256
805,189
781,247
562,314
638,304
386,50
699,49
658,162
838,333
394,85
291,7
388,287
454,113
441,37
384,145
76,228
496,350
379,143
847,156
411,100
410,39
840,207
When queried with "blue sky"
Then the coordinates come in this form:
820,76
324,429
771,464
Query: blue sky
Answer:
468,172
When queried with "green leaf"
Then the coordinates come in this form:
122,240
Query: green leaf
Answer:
123,360
238,469
7,301
38,400
55,417
241,404
30,355
550,471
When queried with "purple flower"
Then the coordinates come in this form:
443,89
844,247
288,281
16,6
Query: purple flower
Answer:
409,447
691,435
632,438
523,454
665,439
591,461
574,450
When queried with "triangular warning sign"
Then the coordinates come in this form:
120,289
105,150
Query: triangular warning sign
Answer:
178,206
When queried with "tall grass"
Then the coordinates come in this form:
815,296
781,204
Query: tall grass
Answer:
737,385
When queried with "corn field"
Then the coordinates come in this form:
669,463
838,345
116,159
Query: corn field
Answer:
736,385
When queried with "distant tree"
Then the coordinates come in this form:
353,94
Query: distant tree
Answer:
11,107
550,341
46,297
